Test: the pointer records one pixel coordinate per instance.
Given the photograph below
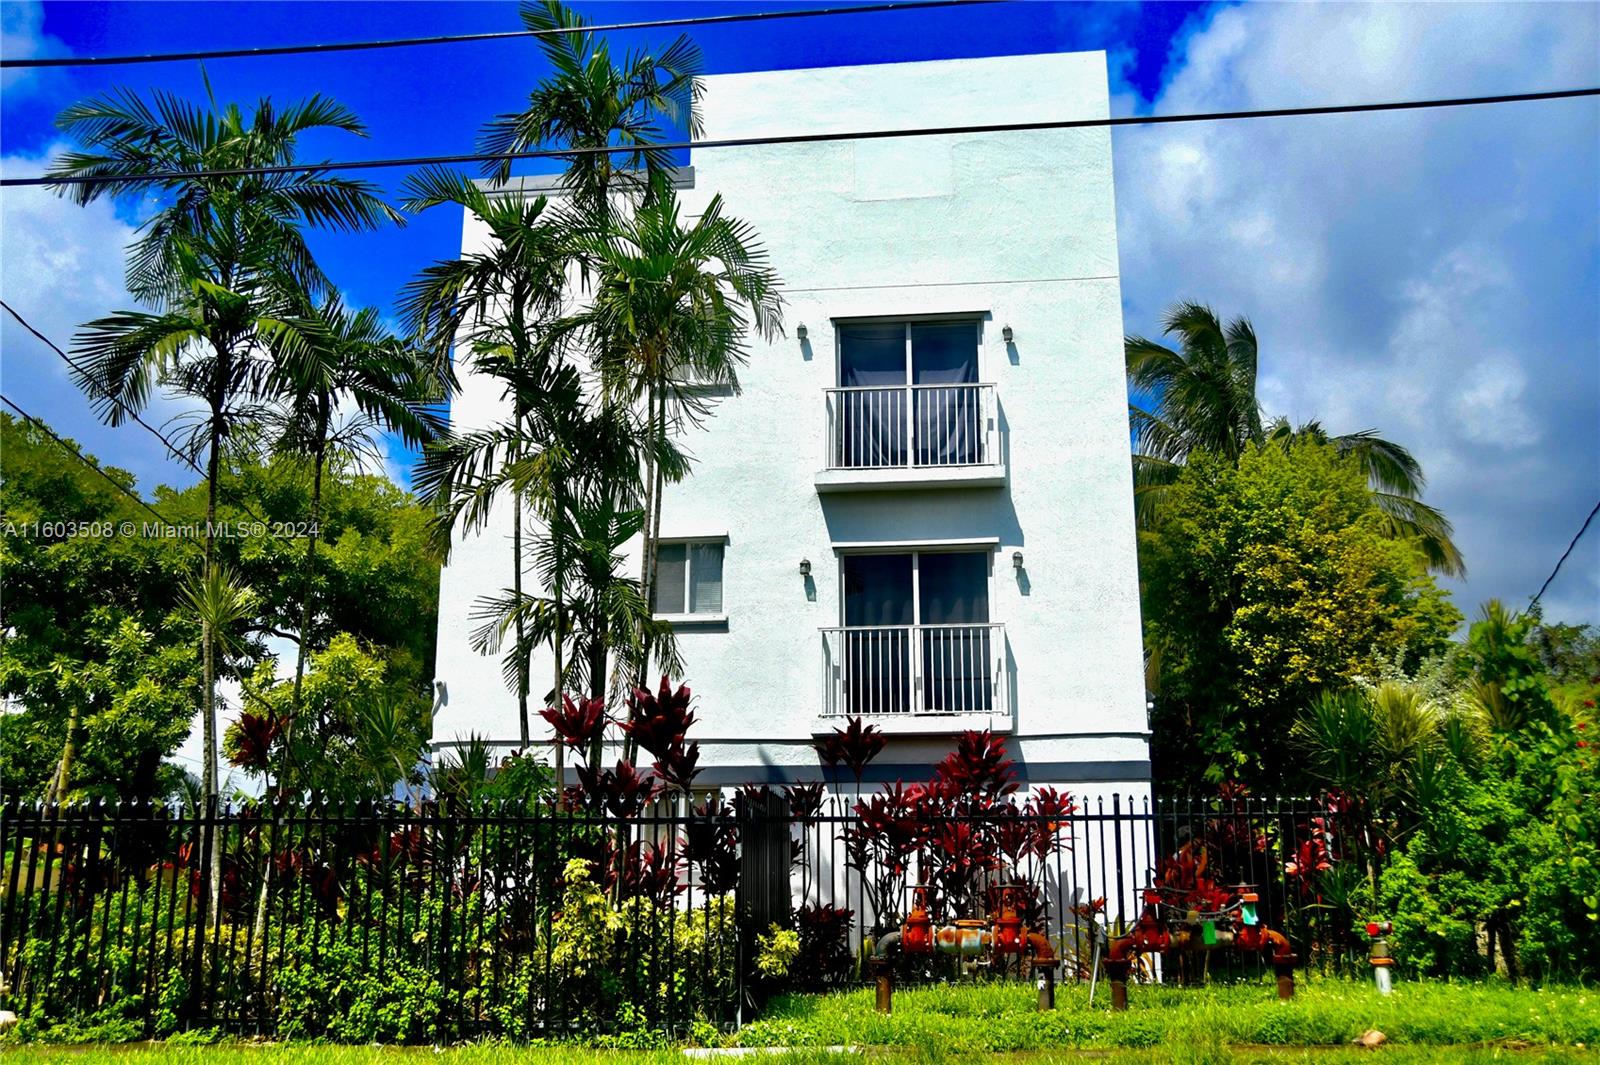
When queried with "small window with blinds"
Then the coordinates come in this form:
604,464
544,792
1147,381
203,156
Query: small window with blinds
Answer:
688,579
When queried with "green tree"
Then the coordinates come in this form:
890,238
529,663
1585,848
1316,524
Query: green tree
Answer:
347,358
96,659
223,260
362,729
377,575
96,629
1501,866
1269,580
672,309
1201,397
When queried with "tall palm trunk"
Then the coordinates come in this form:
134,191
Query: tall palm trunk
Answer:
597,673
654,481
319,457
210,785
522,639
521,649
559,593
303,652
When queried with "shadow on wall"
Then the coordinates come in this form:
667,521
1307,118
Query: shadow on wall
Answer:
939,514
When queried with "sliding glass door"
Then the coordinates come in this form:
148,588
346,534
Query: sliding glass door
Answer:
908,395
916,635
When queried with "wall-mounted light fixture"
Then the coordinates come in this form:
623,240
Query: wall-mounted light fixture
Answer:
1006,334
800,331
1016,559
805,567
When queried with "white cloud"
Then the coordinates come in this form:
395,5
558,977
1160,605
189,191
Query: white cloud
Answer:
1434,275
22,36
62,265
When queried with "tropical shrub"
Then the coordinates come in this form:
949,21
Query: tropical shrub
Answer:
1266,581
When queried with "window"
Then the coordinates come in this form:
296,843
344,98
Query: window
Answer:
688,578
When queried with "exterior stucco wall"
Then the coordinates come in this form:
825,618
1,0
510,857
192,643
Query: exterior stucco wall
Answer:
1016,229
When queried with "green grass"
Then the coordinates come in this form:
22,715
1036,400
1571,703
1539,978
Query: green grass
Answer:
1001,1017
1242,1024
1180,1054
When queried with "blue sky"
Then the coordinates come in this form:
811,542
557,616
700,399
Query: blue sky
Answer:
1433,275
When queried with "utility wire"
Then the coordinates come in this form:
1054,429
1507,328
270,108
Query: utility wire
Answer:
1581,530
462,38
802,138
177,452
118,485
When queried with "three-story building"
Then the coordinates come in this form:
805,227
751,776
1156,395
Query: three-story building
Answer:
919,511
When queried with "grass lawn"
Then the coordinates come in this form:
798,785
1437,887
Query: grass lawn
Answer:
1426,1024
1175,1054
1325,1013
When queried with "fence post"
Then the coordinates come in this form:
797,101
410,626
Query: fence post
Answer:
204,815
763,887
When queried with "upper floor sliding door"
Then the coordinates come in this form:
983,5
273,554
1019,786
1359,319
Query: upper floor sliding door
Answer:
908,395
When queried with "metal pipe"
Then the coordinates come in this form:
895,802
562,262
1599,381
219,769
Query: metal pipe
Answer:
883,974
1047,985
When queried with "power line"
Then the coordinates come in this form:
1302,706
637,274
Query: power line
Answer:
1581,530
118,485
176,451
804,138
463,38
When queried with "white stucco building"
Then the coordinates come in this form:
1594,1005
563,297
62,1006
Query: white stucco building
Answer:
920,508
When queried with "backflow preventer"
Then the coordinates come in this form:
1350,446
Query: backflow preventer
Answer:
1181,919
1000,937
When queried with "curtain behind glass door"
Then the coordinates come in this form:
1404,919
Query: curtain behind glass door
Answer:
877,593
871,424
948,418
956,653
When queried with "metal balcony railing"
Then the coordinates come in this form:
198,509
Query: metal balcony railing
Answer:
883,670
911,426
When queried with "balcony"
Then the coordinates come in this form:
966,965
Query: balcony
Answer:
912,436
910,679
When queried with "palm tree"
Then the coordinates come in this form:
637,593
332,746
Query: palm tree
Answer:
671,309
496,304
219,262
1201,396
591,102
339,357
588,485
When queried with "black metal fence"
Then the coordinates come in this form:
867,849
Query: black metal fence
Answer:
1084,874
432,923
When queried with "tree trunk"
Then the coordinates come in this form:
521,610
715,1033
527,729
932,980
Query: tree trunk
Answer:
303,650
597,676
558,593
521,648
210,785
654,482
61,780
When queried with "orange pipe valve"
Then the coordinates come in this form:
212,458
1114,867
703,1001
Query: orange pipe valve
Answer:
916,936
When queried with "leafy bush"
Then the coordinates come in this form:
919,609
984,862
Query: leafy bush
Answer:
825,960
776,950
329,989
